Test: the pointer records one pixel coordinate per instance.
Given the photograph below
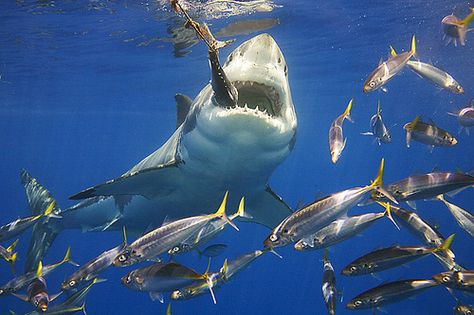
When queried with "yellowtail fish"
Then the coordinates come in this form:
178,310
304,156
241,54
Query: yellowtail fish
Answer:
22,281
378,128
94,267
389,293
8,255
387,69
317,215
16,227
336,138
464,218
427,234
463,309
391,257
428,133
208,232
246,27
328,287
455,29
159,278
426,186
459,280
436,76
56,311
465,116
341,230
37,292
167,236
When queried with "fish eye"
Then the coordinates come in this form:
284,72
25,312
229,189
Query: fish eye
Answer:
138,279
353,268
36,303
358,303
273,237
285,231
446,279
175,249
72,283
122,258
371,84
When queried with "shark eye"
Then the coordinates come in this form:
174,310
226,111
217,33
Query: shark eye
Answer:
446,279
72,283
273,238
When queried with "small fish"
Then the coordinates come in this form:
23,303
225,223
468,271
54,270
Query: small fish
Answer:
426,186
8,255
94,267
315,216
463,309
455,29
38,292
329,285
336,138
436,76
228,270
389,293
340,230
213,250
22,281
158,278
390,257
58,311
16,227
386,70
378,128
459,280
464,218
207,233
465,116
427,234
428,133
167,236
246,27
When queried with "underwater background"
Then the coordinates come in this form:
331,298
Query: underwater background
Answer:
87,90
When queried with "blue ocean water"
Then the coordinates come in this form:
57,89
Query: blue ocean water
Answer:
87,90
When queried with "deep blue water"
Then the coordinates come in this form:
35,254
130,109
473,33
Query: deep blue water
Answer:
81,101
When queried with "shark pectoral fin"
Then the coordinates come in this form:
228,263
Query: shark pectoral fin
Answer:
183,104
266,208
157,296
147,183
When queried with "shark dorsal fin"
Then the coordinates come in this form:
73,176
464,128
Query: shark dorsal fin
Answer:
183,104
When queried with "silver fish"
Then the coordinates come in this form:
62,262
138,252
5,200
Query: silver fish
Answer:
378,128
386,70
428,133
94,267
464,218
165,237
340,230
465,116
336,138
328,287
245,27
213,250
436,76
389,293
459,280
455,29
317,215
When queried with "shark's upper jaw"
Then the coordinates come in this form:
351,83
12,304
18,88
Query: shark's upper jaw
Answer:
258,71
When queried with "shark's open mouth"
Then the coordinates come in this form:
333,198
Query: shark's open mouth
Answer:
259,97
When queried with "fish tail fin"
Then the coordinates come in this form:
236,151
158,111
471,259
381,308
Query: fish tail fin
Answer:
468,19
67,258
11,248
388,213
377,183
241,211
83,308
223,270
446,245
12,261
413,46
221,212
392,51
210,281
347,112
39,270
411,125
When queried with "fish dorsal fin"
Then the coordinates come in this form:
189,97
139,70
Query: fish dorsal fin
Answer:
166,221
413,46
380,61
379,111
39,270
11,248
157,296
183,105
393,53
471,103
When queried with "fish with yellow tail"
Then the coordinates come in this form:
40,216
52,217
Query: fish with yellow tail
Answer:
378,128
337,142
455,29
167,236
315,216
428,133
459,280
390,257
8,255
387,69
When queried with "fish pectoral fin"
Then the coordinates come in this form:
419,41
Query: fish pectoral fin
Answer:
411,204
147,183
53,297
384,89
157,296
266,208
21,296
368,133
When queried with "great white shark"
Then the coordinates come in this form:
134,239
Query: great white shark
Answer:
231,137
